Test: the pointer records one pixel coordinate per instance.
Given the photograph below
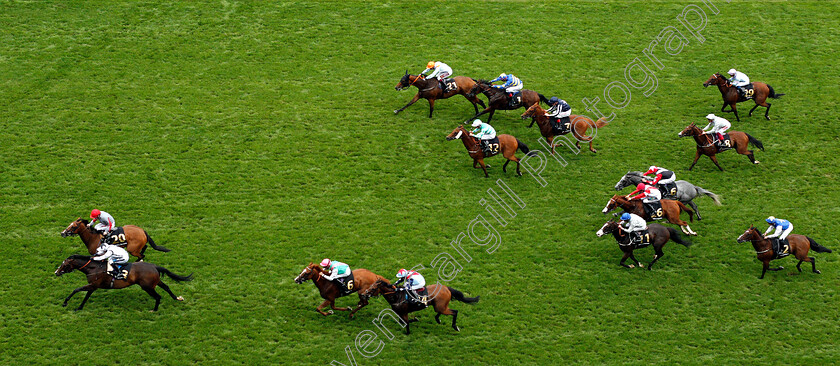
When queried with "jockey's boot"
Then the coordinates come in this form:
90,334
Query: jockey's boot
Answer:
442,84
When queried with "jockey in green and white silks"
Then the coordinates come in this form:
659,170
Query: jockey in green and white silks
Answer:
116,257
338,271
633,224
782,228
483,132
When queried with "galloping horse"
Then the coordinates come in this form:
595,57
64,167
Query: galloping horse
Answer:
507,146
498,100
135,237
670,211
729,93
579,126
429,90
362,280
401,305
145,274
798,245
706,145
686,192
658,235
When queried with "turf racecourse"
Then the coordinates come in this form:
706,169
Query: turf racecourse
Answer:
253,138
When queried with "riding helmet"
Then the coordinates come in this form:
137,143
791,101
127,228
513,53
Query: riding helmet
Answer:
95,213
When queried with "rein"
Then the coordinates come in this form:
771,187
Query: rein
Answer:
88,262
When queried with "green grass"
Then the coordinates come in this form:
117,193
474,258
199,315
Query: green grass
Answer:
253,138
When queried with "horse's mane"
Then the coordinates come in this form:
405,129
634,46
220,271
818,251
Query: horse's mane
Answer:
84,221
79,256
634,173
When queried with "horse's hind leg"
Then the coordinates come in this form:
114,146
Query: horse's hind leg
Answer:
658,254
693,206
437,317
431,106
151,291
165,287
454,320
767,112
504,167
142,253
814,265
753,108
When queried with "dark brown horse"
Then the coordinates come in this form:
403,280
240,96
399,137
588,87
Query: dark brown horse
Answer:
507,146
429,89
442,295
145,274
657,235
135,238
362,280
579,126
798,245
670,211
761,92
706,146
498,98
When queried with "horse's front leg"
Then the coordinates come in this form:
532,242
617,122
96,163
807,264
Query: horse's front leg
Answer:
87,296
696,157
624,259
431,106
362,303
413,100
324,304
714,160
87,288
332,306
764,267
737,118
633,257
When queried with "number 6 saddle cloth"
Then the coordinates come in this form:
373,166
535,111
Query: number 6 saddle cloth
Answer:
668,190
347,285
654,210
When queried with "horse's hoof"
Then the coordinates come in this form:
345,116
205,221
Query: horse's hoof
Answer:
757,162
179,298
329,312
768,118
641,265
631,266
456,328
152,311
77,309
64,305
396,111
817,271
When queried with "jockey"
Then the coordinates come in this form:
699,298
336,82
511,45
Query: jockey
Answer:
105,225
413,281
633,224
718,126
782,227
738,79
662,175
512,84
484,132
558,111
116,257
338,271
649,193
438,70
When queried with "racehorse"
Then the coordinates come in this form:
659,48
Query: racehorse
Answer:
686,192
362,280
657,235
706,145
428,89
135,237
402,306
498,98
579,126
798,245
761,92
670,211
507,146
147,275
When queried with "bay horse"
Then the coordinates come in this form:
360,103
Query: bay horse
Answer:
362,280
507,146
440,301
670,211
498,99
706,145
579,126
658,236
135,237
729,93
799,245
428,89
686,192
145,274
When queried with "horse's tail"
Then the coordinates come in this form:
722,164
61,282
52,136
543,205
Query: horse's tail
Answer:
174,276
543,98
686,209
522,147
711,195
773,93
675,236
755,142
817,247
152,243
601,122
458,295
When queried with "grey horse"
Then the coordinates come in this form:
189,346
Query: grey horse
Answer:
686,191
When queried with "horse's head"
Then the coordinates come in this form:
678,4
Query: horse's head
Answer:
375,288
750,235
457,133
308,273
408,80
628,180
690,130
533,111
75,228
715,79
73,263
608,227
612,204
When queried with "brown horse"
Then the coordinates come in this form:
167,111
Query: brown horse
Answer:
145,274
798,245
761,92
362,280
429,89
498,99
670,210
402,306
706,145
657,234
135,237
507,146
579,126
